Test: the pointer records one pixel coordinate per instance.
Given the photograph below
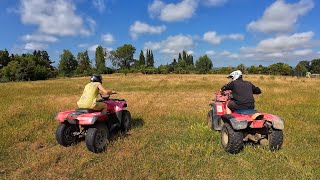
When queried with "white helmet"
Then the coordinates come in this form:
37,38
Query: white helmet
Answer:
235,75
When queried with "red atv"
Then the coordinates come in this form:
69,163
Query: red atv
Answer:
91,124
244,125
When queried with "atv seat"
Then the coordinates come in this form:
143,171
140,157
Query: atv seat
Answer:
86,110
245,111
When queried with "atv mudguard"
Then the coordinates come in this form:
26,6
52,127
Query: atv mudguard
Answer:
119,116
215,118
277,122
236,125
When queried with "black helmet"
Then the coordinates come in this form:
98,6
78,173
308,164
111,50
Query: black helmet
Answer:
96,78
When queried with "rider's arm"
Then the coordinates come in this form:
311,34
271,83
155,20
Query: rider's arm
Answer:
255,90
228,86
103,90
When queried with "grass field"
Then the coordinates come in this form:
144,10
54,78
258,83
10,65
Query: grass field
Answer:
169,139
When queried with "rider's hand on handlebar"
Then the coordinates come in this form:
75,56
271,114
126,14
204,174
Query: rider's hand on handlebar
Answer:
111,92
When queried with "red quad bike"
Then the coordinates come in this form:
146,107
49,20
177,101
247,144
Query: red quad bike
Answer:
91,124
244,125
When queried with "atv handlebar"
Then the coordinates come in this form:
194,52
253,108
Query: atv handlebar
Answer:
106,97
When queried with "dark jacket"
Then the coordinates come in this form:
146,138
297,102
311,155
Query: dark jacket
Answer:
242,91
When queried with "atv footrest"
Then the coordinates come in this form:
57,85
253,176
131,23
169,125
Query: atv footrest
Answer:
245,111
86,110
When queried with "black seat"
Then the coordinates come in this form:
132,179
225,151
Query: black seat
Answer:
86,110
245,111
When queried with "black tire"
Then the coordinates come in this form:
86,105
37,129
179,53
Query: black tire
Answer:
231,140
97,138
209,119
65,134
125,121
275,139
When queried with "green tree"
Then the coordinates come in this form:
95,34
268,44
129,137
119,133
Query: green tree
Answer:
306,64
280,69
4,58
84,64
179,58
123,56
184,55
253,70
68,64
300,69
315,66
204,64
142,59
149,58
100,58
189,60
242,68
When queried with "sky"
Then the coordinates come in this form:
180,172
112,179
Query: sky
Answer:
230,32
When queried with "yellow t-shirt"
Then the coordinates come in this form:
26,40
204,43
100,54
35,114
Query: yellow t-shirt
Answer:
89,95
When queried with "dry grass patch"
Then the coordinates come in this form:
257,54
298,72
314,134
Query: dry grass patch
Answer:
169,140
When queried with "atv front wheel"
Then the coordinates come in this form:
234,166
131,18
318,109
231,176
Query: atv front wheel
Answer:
97,138
275,139
209,119
125,121
65,134
231,140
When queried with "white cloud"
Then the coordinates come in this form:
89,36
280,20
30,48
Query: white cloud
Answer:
100,5
281,17
39,38
155,8
142,28
151,45
285,42
83,45
234,56
173,12
190,52
107,38
214,2
172,45
275,55
283,47
302,52
213,38
318,52
56,17
35,46
210,53
93,48
225,53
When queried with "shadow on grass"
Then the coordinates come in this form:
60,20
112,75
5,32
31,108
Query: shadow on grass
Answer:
117,133
137,123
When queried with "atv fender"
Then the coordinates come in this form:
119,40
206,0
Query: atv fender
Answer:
119,116
236,125
278,123
217,125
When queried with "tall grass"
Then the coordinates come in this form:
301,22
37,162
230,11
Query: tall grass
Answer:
169,140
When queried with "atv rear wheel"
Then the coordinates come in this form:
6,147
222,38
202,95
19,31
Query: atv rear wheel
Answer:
65,134
275,139
209,119
125,121
231,140
97,138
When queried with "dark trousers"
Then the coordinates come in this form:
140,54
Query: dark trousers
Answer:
234,106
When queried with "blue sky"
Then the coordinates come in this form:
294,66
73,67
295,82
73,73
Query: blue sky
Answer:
230,32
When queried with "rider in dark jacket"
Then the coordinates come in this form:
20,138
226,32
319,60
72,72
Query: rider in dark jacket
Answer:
242,92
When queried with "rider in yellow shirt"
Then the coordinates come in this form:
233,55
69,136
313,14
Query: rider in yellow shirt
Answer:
89,95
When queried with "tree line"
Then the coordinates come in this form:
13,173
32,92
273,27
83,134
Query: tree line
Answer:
39,66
